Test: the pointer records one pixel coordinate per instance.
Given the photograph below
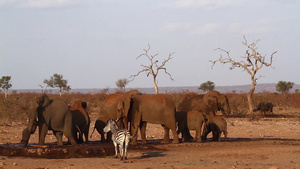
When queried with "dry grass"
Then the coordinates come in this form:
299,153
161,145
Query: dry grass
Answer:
283,105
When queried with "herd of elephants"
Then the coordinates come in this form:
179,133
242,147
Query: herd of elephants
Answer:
133,110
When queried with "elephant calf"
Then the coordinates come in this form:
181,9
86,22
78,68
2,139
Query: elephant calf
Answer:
191,120
216,125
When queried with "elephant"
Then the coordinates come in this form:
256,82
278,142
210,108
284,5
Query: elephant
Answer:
191,120
157,109
217,125
114,106
264,107
208,104
215,101
81,121
48,115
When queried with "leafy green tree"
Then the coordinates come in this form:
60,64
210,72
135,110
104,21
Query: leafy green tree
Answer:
57,81
284,87
5,84
121,83
207,86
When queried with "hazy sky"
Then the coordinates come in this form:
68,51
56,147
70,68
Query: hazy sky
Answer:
93,43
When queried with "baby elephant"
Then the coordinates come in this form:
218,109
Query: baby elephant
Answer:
216,125
192,120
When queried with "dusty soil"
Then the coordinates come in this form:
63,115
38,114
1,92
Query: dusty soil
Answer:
272,142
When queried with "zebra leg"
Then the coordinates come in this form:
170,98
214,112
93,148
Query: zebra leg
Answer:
116,150
126,147
121,151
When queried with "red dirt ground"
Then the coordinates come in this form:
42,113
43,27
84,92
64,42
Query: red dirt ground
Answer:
263,143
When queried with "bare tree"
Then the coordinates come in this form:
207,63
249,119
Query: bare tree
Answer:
153,68
252,63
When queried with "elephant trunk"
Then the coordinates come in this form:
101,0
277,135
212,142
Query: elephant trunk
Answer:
30,129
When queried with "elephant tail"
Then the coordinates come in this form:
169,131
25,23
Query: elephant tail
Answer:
133,135
92,132
80,133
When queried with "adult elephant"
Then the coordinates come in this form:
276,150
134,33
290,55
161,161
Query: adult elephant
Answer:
157,109
208,104
48,115
81,121
115,106
214,101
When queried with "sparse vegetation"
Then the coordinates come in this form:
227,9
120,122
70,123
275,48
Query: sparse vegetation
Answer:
252,62
5,84
238,102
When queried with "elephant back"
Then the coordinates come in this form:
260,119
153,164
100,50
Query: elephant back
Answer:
190,102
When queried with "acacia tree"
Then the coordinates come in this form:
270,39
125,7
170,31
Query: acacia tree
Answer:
57,81
121,83
5,84
207,86
252,62
153,68
284,87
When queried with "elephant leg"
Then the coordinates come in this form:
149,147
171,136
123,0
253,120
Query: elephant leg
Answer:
99,125
71,139
86,135
80,139
225,135
43,130
58,135
143,126
175,135
166,136
199,133
134,125
108,137
125,122
196,135
206,131
74,134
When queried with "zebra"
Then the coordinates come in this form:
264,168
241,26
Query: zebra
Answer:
120,137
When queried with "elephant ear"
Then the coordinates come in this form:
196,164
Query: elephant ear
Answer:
123,107
43,100
211,101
